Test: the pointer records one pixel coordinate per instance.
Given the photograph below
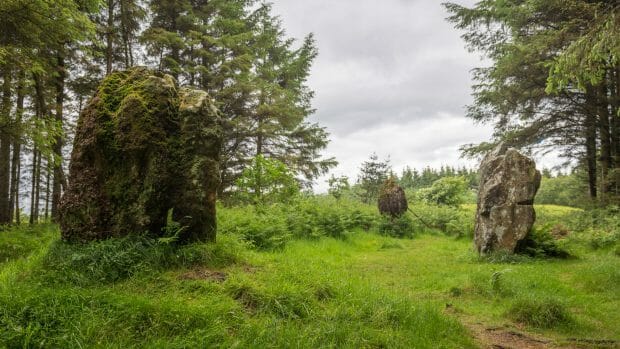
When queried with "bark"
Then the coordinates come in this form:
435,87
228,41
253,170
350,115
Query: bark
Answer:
37,193
41,111
48,173
15,162
5,148
590,145
605,139
615,127
128,57
109,55
33,188
57,162
18,219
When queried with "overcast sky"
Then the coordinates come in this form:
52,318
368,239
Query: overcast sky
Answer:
392,77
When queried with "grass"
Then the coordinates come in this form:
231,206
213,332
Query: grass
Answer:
360,290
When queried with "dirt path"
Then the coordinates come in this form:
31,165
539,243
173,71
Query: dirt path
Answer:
500,337
503,337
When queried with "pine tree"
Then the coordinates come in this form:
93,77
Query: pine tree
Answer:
373,173
551,82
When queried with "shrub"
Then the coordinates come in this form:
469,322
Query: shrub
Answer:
266,181
448,191
452,221
546,313
264,229
273,226
399,227
540,243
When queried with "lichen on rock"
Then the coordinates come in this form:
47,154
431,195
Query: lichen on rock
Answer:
505,214
143,147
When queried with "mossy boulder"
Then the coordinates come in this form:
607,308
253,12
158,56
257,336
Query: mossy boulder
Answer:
143,147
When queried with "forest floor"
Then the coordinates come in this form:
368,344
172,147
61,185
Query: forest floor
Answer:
363,291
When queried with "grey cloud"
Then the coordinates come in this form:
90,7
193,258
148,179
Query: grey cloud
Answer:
392,76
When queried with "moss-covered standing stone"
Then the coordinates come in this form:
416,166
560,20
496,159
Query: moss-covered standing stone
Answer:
142,147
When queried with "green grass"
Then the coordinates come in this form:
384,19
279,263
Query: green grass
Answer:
358,290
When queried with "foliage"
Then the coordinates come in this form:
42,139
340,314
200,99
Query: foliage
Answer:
587,59
448,191
238,52
373,173
398,227
551,80
540,243
273,226
338,186
266,181
114,260
416,179
568,190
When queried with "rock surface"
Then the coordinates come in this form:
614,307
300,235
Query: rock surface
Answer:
505,214
143,147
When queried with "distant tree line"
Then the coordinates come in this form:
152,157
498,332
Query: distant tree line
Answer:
374,172
553,81
54,53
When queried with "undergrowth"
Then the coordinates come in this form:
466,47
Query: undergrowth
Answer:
118,259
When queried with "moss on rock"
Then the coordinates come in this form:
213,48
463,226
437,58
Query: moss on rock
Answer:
142,147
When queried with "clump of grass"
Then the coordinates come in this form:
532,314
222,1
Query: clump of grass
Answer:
540,313
389,245
114,260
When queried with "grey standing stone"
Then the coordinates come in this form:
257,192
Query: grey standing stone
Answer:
505,213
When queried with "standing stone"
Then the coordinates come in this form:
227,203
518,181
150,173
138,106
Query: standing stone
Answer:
143,147
392,199
505,215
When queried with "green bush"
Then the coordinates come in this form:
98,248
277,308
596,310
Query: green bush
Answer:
545,313
398,227
452,221
448,191
540,243
269,227
266,181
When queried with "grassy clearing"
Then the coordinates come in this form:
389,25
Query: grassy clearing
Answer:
355,290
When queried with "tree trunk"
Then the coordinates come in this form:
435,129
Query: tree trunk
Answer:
590,144
48,173
15,162
605,139
109,54
57,162
615,128
18,219
37,192
125,35
33,189
5,147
